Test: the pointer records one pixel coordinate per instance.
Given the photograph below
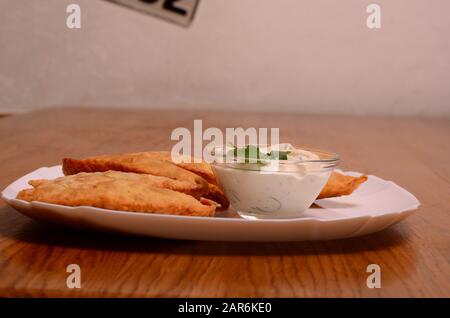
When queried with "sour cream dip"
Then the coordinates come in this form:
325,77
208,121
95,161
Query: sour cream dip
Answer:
275,188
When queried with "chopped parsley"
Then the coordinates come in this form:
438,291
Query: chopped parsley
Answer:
253,154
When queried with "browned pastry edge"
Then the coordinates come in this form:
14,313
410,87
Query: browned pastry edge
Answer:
339,184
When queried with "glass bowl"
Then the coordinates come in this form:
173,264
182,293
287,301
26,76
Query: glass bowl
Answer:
270,188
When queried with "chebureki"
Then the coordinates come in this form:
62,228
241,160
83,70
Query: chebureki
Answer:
199,178
339,184
118,191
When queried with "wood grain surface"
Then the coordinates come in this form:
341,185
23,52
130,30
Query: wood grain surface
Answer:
414,255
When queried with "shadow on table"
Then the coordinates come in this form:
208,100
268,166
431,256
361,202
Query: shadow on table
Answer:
27,230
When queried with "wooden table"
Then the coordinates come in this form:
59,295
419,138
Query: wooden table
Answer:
414,254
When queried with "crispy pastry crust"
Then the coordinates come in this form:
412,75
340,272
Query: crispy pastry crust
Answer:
339,184
139,163
118,191
203,169
199,178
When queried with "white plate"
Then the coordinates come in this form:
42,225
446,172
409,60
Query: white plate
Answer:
375,205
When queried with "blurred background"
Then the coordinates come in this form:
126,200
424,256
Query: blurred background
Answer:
254,55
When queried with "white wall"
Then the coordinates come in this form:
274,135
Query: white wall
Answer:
283,55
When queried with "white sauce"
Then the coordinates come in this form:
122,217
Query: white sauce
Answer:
274,194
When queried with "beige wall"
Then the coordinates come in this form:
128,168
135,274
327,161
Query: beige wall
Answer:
290,55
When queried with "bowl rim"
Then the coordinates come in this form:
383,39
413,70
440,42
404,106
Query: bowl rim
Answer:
332,161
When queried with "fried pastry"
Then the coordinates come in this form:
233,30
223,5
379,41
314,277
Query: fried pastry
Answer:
203,169
138,163
199,175
118,191
339,184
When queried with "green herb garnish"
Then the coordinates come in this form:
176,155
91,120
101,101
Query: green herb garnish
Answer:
253,154
280,155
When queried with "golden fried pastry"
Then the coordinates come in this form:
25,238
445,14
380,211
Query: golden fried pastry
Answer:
118,191
202,169
339,184
217,195
138,163
154,163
